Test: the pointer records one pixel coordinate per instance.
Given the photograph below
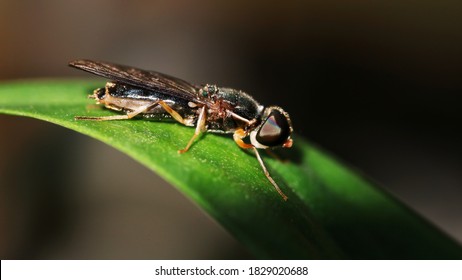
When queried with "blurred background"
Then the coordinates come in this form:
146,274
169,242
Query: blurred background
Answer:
376,83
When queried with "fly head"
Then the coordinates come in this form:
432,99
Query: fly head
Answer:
274,130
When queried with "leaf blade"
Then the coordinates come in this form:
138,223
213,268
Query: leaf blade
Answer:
331,213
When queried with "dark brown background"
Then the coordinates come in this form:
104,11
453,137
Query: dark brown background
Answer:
377,83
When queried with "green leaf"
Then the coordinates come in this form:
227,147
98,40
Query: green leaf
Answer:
332,212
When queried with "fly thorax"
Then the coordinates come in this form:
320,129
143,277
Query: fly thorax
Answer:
208,91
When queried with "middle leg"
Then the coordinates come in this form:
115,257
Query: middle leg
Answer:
200,127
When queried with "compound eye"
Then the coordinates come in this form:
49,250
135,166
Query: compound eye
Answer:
275,130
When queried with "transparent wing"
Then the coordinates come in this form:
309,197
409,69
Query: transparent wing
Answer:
149,80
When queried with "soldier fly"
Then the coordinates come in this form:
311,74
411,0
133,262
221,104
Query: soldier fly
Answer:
208,108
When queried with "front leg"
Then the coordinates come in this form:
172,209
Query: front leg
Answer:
238,136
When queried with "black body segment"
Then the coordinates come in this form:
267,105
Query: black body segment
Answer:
227,100
127,98
242,104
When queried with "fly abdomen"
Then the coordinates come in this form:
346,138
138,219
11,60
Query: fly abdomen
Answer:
122,97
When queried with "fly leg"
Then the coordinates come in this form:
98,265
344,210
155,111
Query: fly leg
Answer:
200,127
238,136
129,115
140,110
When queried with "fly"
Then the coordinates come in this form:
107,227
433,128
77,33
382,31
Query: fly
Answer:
208,108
